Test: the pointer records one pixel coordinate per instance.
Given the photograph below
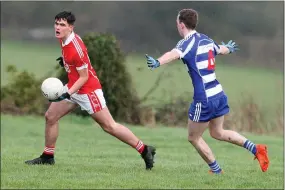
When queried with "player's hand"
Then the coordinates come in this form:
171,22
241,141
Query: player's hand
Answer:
151,62
62,97
60,61
231,45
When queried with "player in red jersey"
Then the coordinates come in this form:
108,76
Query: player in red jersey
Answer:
83,89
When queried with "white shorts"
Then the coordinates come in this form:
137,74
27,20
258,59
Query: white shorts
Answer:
92,102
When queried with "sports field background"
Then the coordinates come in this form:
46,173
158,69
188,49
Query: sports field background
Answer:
263,84
88,158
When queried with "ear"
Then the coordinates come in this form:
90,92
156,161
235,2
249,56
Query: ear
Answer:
183,25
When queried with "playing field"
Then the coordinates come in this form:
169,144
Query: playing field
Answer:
86,157
265,85
240,83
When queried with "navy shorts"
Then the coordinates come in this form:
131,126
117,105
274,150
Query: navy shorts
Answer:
203,111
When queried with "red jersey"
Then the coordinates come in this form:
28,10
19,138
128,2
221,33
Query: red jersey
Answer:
75,57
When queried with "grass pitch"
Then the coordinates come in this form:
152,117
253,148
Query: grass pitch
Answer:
265,85
87,157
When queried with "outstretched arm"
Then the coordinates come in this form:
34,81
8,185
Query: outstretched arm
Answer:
168,57
223,50
176,53
165,58
228,48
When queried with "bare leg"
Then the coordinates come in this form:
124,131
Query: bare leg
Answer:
260,151
204,150
52,116
106,121
217,132
195,132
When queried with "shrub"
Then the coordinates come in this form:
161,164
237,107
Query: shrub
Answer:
108,61
22,94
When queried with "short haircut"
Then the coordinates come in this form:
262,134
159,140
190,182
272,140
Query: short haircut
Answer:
65,15
189,17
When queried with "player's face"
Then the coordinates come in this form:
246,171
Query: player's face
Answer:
62,28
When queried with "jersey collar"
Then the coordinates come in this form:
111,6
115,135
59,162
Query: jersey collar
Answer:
190,34
69,39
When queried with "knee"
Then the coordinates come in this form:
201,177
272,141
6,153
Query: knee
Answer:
193,138
217,134
109,127
50,118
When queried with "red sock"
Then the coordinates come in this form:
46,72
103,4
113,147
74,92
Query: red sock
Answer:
140,147
49,150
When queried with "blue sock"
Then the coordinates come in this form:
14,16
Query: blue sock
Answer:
250,146
215,167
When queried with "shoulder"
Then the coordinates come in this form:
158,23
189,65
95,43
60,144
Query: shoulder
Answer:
77,37
180,43
78,46
206,37
186,41
77,42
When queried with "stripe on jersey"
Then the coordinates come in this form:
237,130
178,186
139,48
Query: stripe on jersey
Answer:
204,42
202,57
215,90
211,84
216,48
202,64
93,75
209,78
180,43
189,47
204,49
77,47
204,72
82,67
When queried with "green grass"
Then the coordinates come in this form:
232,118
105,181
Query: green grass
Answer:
264,84
86,157
36,58
40,59
238,82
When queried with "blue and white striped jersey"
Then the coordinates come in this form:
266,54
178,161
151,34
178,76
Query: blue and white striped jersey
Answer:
198,52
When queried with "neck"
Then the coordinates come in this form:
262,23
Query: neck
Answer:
186,32
65,38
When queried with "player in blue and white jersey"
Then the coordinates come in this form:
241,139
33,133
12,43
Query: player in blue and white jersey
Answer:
210,104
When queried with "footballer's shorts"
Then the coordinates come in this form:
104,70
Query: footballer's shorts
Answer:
203,111
92,102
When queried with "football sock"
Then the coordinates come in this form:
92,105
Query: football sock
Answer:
215,167
140,146
250,146
49,151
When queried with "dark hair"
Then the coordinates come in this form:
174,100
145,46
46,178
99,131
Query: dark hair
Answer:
65,15
189,17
